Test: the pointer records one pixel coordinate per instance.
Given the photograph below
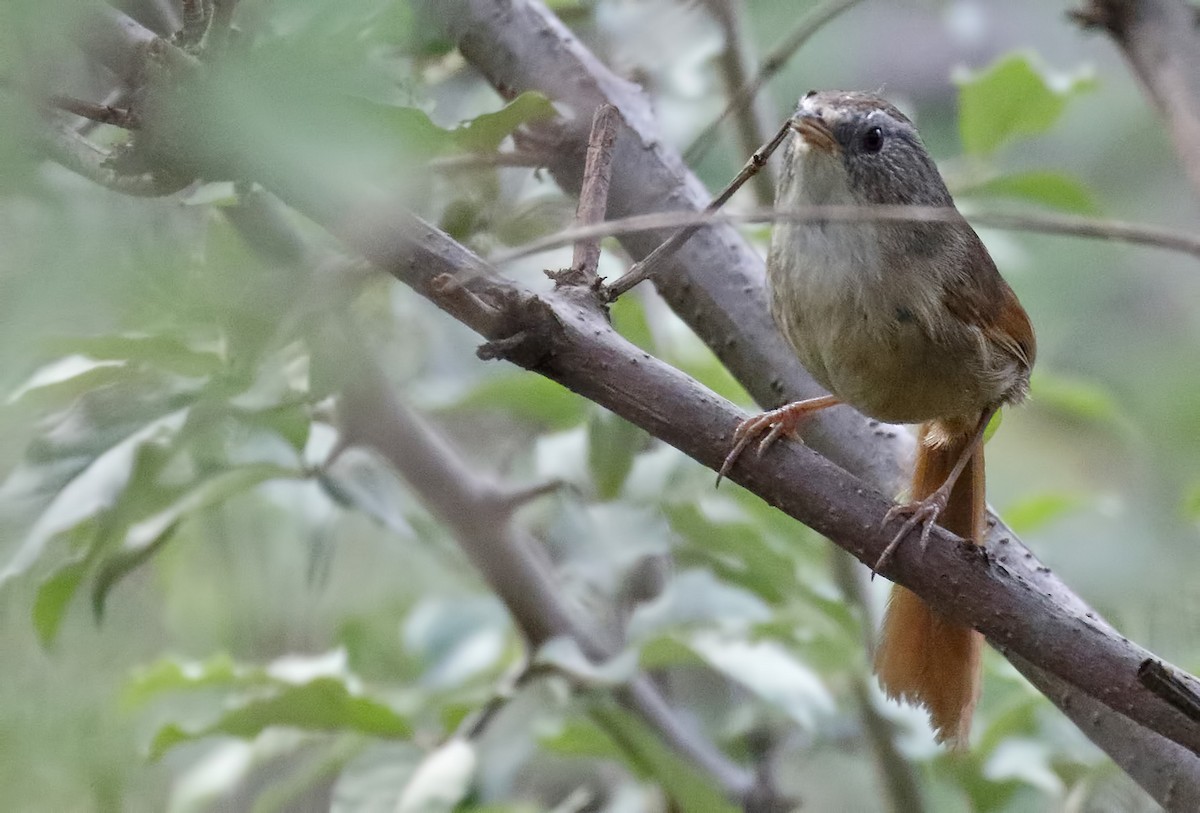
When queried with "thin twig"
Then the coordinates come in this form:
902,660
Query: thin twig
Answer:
1069,225
484,160
649,265
774,62
593,195
736,66
101,113
77,154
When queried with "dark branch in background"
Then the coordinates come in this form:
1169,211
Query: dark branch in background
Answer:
753,123
1161,41
1020,605
773,64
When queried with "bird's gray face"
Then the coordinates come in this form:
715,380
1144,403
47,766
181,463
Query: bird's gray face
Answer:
858,146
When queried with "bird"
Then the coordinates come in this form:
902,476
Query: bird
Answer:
907,321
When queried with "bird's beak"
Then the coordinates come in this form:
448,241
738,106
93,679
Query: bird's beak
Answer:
815,132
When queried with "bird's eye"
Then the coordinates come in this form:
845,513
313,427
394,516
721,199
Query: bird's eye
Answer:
872,140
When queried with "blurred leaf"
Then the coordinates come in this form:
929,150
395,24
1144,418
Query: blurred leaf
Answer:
97,488
292,422
532,397
667,650
457,637
358,480
1054,189
993,426
54,595
1079,399
171,675
770,672
644,752
442,780
1191,502
146,536
613,443
1009,99
79,372
1026,760
416,133
164,352
737,551
1034,512
628,316
696,597
484,133
614,734
323,704
563,654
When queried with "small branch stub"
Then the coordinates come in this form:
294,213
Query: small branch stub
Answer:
593,196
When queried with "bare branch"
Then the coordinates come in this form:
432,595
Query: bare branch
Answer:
1161,41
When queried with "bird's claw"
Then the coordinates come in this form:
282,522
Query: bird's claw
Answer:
920,512
775,423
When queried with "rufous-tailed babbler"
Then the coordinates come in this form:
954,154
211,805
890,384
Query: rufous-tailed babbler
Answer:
907,321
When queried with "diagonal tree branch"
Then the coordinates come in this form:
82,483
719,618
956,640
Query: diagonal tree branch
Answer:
1161,41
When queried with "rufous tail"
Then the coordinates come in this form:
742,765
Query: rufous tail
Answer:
922,657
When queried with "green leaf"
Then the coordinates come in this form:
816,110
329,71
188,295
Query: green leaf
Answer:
564,655
54,595
321,704
145,537
1191,502
1032,513
484,133
770,672
613,443
1056,190
524,395
416,134
1010,99
1079,399
442,780
643,750
628,316
95,489
170,675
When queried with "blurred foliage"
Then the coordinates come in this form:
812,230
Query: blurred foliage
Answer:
209,604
